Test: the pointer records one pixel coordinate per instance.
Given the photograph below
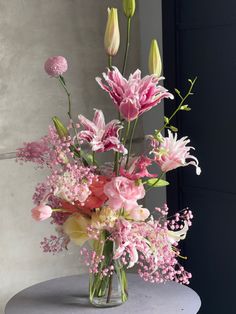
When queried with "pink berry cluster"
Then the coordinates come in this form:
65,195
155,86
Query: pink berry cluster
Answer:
94,262
55,244
179,219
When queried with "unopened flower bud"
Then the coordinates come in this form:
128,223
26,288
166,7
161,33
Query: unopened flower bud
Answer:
61,129
155,64
112,33
129,8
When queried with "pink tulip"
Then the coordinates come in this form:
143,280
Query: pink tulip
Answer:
123,193
134,96
56,66
41,212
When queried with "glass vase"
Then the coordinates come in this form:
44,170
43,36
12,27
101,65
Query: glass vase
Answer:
111,289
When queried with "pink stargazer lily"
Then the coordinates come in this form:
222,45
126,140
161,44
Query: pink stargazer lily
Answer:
134,96
102,137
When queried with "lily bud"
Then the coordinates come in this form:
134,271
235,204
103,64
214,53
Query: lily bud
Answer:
129,8
112,33
154,64
61,129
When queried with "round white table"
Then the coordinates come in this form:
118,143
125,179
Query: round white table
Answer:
68,295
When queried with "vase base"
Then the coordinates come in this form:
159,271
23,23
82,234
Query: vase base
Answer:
103,302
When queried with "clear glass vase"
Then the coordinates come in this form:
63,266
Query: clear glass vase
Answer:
110,290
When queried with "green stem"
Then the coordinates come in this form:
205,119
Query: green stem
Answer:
126,133
109,289
130,143
94,160
117,155
127,45
110,62
183,99
116,163
62,81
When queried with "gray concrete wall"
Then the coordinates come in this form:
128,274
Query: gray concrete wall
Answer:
30,31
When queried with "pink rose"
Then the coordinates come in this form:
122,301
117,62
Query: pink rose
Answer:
56,66
123,193
41,212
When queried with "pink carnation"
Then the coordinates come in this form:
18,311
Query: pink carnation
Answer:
134,96
171,153
123,193
56,66
41,212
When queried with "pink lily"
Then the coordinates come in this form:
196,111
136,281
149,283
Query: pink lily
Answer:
137,168
171,153
134,96
102,137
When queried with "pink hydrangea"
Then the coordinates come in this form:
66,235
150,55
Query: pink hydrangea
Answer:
72,185
102,137
56,66
123,193
170,153
41,212
134,96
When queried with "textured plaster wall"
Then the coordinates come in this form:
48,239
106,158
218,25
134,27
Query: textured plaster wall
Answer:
30,31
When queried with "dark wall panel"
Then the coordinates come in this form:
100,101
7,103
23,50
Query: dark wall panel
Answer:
199,40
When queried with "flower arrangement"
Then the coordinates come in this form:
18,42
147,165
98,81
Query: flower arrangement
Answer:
97,206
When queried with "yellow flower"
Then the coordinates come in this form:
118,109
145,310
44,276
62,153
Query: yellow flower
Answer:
112,33
129,8
154,63
105,217
76,228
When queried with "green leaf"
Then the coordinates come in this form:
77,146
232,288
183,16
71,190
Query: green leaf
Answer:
157,183
173,128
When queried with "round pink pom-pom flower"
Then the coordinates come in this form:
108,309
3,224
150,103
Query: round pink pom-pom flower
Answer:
41,212
56,66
